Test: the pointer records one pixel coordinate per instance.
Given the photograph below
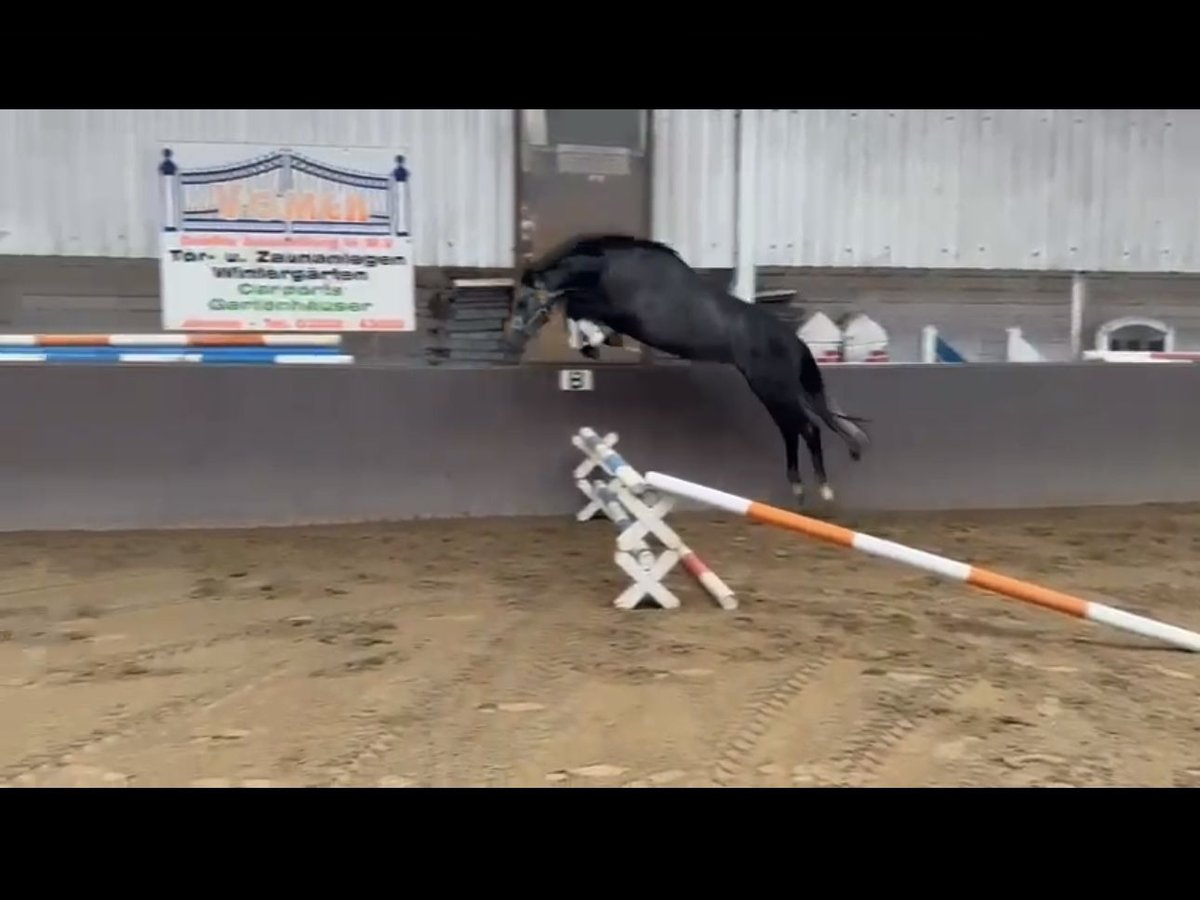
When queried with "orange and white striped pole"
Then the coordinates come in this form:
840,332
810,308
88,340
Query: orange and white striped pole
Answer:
172,339
1004,585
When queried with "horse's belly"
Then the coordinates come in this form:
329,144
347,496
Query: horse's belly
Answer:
687,331
700,351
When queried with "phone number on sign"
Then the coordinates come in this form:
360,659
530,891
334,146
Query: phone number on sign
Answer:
295,325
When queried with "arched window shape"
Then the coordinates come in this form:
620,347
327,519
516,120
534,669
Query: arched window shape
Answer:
1135,333
863,339
823,337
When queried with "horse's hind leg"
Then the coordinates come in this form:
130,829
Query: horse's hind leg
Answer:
789,429
812,439
784,407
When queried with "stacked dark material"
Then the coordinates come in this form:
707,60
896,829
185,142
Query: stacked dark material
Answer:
466,325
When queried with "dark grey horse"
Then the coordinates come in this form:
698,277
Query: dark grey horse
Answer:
644,290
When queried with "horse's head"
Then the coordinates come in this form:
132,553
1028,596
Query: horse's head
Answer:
531,305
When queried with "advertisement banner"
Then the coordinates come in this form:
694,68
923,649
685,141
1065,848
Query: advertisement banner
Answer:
285,238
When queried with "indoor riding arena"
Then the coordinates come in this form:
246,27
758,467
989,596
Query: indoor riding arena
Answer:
367,567
484,652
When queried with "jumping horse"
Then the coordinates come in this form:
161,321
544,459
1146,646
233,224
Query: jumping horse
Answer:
644,290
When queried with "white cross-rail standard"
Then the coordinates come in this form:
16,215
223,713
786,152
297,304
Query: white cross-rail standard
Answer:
639,513
645,568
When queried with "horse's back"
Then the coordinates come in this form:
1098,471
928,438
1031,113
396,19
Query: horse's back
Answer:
658,299
602,243
602,246
654,296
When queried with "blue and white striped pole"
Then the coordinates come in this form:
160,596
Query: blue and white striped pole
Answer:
612,461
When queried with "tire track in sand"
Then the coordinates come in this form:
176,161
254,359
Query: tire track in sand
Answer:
549,675
436,728
121,725
760,714
861,757
266,627
377,733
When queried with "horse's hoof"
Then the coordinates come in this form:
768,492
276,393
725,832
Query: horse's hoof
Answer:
855,455
826,493
590,352
798,493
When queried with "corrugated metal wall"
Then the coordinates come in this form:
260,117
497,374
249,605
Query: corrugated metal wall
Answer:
1099,190
1053,189
694,183
80,182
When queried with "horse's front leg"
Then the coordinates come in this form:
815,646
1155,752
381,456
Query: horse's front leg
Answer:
581,336
584,333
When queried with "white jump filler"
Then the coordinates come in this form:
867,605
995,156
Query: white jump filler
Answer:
638,512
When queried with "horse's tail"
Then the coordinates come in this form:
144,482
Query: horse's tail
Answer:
815,399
